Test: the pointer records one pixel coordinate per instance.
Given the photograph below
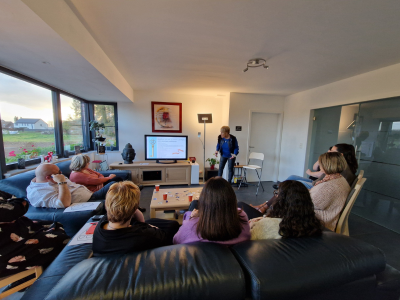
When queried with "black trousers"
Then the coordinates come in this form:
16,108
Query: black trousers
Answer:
170,227
251,212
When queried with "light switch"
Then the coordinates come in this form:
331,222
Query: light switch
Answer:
301,146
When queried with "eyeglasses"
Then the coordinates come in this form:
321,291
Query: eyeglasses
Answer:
276,192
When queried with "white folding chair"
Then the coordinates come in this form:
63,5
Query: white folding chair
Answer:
258,156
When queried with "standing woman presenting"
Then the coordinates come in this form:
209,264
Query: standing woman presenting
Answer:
229,148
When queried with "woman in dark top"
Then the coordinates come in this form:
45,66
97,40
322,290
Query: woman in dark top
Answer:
24,243
228,147
123,230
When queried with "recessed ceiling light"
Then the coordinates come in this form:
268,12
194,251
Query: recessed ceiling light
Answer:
46,63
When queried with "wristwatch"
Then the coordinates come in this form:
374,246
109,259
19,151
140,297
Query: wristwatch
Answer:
60,183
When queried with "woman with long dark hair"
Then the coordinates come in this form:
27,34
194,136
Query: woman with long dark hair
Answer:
217,218
292,215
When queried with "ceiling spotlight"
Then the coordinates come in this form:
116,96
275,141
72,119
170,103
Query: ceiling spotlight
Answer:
256,62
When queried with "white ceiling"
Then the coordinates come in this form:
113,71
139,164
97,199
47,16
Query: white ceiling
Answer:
202,46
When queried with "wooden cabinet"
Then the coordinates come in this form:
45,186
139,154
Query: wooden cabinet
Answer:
153,173
177,175
135,176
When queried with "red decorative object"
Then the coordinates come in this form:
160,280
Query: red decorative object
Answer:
166,117
96,161
212,167
49,156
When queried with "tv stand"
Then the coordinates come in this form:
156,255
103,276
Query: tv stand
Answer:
151,173
166,161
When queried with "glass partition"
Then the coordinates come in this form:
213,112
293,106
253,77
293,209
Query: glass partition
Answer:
374,129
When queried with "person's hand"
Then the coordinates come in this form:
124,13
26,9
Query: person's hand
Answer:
58,178
232,157
195,213
112,176
153,226
308,172
252,222
216,153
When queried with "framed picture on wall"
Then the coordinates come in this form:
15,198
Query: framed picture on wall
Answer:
166,117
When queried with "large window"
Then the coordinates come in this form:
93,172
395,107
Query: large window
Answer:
26,119
37,118
71,114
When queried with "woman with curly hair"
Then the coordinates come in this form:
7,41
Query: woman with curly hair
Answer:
293,215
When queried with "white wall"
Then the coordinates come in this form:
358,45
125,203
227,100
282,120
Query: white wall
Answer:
135,121
378,84
239,115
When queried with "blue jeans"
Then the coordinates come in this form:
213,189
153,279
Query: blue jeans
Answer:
101,193
307,182
231,164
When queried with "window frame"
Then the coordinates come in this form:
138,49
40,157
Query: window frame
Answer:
87,116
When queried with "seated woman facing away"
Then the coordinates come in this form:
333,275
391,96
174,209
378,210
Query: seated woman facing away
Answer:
24,243
292,216
217,219
82,174
124,230
328,194
349,173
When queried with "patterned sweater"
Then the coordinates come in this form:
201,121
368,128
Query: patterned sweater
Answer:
329,198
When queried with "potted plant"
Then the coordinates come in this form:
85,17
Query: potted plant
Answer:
97,127
99,139
212,161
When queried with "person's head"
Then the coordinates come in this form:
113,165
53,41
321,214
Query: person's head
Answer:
349,154
122,200
225,131
295,207
44,171
332,163
219,218
79,162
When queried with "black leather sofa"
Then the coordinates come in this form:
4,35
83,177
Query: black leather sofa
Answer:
328,267
72,222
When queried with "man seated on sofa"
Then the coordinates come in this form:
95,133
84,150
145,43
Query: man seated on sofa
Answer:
52,189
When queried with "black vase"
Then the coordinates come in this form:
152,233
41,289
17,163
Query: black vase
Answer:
21,163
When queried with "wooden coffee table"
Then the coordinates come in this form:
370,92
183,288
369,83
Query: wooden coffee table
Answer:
177,199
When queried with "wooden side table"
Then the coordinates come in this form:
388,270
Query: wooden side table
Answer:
210,173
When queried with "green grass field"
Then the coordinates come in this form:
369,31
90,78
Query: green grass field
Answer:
37,137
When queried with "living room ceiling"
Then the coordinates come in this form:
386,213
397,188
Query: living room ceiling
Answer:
202,46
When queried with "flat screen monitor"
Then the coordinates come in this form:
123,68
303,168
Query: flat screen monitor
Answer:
166,147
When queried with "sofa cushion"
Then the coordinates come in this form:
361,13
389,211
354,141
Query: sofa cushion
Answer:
191,271
71,222
295,267
16,185
68,258
389,279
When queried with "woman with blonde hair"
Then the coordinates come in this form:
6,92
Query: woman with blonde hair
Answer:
124,230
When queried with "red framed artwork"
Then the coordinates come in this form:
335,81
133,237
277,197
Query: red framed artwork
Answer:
166,117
